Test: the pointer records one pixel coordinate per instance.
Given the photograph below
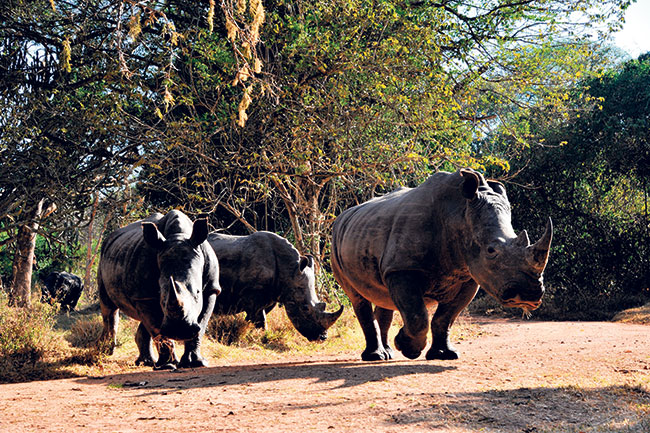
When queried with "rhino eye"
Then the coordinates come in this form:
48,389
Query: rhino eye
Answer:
491,252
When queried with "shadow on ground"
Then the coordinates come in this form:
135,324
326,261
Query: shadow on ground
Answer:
612,409
342,374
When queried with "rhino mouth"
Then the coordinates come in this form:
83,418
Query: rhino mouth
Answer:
527,297
517,302
179,331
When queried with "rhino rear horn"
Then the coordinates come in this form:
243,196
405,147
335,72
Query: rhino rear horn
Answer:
328,319
522,239
537,254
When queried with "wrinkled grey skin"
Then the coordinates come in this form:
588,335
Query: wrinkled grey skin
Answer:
62,287
161,272
258,271
435,243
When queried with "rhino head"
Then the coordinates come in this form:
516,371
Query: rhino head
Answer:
181,264
505,265
303,307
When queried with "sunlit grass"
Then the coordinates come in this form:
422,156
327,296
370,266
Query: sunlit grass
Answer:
640,315
69,342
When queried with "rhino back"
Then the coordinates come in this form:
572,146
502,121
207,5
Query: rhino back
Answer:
128,269
249,274
403,230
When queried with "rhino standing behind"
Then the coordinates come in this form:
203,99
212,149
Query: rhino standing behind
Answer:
258,271
62,287
161,272
435,243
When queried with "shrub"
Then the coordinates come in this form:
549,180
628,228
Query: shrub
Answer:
85,333
228,330
25,339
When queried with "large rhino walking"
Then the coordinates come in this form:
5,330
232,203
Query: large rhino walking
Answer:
435,243
161,272
262,269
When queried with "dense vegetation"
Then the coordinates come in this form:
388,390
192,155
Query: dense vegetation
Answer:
593,177
279,114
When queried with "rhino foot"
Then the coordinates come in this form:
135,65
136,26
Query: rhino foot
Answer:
444,353
377,355
165,366
146,361
193,361
403,344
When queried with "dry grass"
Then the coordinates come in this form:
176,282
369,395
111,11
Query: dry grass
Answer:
72,350
85,332
639,315
68,346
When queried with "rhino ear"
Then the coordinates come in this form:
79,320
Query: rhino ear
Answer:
471,181
306,261
152,236
199,232
497,187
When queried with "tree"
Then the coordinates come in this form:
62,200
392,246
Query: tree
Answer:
63,138
277,110
355,98
591,177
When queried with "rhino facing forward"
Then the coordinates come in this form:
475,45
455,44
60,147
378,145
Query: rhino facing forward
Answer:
435,243
161,272
258,271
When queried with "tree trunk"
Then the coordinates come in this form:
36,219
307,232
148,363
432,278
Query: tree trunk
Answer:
92,251
21,278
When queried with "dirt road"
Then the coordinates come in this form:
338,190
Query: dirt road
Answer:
516,376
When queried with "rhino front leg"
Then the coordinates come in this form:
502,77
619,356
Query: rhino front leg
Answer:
257,318
192,356
444,317
145,346
166,355
384,319
406,290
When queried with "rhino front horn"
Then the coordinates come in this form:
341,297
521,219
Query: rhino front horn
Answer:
328,319
537,254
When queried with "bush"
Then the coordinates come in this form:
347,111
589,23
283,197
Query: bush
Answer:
85,333
228,330
25,339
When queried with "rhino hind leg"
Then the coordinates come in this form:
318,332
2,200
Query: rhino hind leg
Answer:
111,319
145,347
384,319
375,350
443,318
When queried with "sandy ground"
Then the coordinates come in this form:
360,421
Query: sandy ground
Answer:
514,376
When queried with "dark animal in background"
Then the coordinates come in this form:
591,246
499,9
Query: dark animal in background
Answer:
435,243
262,269
161,272
62,287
